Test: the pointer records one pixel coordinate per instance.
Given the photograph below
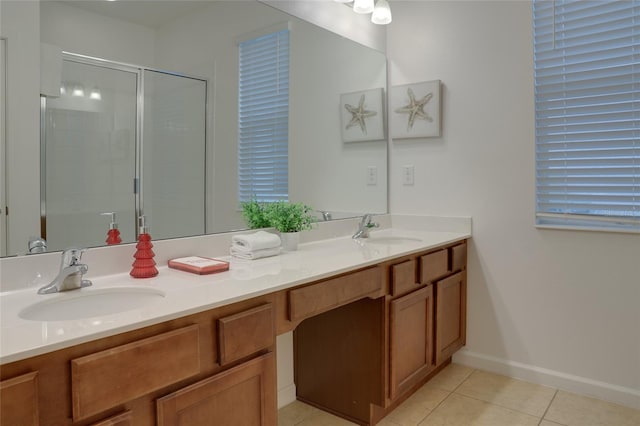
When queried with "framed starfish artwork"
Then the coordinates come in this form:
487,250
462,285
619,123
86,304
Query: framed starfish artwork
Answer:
362,116
415,110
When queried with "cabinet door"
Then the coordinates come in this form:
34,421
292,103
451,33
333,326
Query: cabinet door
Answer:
19,400
244,395
451,315
411,333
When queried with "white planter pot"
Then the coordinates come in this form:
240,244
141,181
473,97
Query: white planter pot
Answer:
290,240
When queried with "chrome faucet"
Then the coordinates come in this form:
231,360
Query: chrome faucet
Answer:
326,216
70,275
365,226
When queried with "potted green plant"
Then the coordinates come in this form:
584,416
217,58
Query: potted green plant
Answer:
255,214
289,219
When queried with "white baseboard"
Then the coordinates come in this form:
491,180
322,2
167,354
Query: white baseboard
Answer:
286,395
605,391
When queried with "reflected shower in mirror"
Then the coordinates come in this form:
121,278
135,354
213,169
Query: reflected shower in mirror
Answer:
99,156
151,143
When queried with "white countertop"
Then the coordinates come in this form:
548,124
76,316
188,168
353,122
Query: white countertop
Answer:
186,293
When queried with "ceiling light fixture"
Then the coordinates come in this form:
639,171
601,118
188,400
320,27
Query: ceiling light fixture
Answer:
363,6
380,10
382,13
78,90
95,94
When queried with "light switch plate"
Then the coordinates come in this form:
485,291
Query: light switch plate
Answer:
372,175
408,175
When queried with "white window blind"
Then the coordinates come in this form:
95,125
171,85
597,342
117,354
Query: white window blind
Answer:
263,148
587,96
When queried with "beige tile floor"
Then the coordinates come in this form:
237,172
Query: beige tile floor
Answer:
462,396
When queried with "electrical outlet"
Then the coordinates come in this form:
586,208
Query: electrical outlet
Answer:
372,175
407,175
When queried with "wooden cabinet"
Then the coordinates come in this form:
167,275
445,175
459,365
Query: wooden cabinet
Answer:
362,360
411,340
19,400
242,396
116,381
365,340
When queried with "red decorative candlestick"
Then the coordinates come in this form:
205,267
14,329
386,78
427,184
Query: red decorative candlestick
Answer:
144,266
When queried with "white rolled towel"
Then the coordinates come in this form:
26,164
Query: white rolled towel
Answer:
243,253
257,241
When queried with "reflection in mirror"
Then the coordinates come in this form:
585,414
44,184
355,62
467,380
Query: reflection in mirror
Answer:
99,156
191,38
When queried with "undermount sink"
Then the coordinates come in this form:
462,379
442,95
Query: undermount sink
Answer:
89,303
392,240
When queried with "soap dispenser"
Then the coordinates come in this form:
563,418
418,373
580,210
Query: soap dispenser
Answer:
113,235
144,266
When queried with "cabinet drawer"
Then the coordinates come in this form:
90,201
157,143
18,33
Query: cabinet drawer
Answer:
403,277
317,298
434,265
114,376
123,419
458,257
19,400
246,333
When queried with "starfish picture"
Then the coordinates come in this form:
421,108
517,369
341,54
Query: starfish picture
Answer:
358,115
415,108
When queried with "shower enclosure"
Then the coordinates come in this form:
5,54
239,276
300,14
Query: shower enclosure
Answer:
124,139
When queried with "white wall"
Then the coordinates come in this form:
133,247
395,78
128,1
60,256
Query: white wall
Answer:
557,307
80,31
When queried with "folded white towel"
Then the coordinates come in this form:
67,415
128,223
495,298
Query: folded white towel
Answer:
257,241
242,253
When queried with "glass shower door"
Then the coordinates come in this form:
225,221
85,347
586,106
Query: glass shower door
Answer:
89,156
173,154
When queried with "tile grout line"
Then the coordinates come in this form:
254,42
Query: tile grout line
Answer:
498,405
447,397
548,406
503,406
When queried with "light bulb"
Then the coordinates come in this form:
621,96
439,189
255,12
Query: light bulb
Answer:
363,6
382,13
95,94
78,90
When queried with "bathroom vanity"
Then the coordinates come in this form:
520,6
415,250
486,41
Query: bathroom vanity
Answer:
371,324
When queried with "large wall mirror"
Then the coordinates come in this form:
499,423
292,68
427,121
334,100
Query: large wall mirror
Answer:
149,106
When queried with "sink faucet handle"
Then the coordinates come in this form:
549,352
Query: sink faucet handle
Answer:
367,221
72,256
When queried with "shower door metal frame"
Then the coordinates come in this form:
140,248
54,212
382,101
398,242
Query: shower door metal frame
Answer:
3,140
137,184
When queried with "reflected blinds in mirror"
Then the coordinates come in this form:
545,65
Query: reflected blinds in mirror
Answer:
264,118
